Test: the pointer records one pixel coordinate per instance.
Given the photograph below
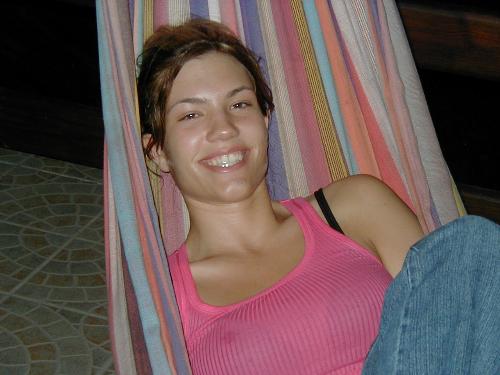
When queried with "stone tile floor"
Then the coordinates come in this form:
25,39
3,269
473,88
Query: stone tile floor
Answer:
53,316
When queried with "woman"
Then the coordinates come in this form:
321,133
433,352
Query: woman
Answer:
263,287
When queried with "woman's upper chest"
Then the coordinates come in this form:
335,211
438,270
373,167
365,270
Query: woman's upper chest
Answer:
233,277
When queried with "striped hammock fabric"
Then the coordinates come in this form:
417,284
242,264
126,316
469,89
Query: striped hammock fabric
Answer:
348,101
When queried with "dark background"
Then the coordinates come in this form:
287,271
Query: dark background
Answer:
50,99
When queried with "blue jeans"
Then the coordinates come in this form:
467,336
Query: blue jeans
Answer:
441,314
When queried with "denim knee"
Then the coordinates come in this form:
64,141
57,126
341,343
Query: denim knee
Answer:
466,236
440,314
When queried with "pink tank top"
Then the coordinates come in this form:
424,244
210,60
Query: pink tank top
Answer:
321,318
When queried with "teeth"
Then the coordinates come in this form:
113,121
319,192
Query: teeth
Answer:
226,161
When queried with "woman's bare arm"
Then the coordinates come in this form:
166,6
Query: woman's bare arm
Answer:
372,214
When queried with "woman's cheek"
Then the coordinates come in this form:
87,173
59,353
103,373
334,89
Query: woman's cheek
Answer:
185,146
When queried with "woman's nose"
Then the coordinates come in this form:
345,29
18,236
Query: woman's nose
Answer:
222,126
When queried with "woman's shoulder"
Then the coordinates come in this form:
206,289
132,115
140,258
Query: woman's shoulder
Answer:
355,187
371,213
346,196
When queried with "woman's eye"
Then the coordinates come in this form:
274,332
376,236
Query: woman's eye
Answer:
189,116
240,105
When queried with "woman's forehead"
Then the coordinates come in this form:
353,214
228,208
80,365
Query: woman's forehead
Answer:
211,71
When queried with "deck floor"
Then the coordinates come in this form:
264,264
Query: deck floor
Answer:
53,309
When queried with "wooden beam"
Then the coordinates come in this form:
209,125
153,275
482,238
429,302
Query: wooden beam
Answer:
453,41
480,201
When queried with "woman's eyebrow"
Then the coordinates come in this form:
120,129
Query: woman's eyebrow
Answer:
237,90
193,100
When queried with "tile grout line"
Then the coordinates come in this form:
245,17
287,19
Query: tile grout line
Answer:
106,366
43,264
51,304
16,162
51,172
3,221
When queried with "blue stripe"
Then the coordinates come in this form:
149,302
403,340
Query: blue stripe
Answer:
199,9
376,16
376,19
276,177
328,82
434,213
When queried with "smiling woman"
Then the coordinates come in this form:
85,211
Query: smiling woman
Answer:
167,51
267,287
215,141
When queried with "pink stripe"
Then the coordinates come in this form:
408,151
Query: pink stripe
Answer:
172,214
308,136
228,15
160,13
390,106
387,167
351,113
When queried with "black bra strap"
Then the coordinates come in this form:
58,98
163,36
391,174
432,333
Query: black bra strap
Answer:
327,212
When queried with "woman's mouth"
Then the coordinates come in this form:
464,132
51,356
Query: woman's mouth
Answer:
226,160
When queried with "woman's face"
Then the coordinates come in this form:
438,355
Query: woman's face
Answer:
216,134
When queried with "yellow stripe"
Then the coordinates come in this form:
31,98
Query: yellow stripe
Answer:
333,150
148,19
460,205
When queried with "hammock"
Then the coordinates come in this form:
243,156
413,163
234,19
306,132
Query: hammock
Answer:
348,101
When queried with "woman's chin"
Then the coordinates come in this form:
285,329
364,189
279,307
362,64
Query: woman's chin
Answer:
236,192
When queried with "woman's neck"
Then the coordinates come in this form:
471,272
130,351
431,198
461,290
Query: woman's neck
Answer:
246,225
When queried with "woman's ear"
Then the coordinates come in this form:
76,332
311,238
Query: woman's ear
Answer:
156,154
267,118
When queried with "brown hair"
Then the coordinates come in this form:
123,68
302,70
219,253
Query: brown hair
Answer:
163,56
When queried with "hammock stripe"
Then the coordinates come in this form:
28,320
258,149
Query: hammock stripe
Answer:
277,179
294,169
328,82
428,148
118,318
333,152
352,116
308,135
348,100
199,9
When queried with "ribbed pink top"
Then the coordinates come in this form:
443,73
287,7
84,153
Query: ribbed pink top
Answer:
321,318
